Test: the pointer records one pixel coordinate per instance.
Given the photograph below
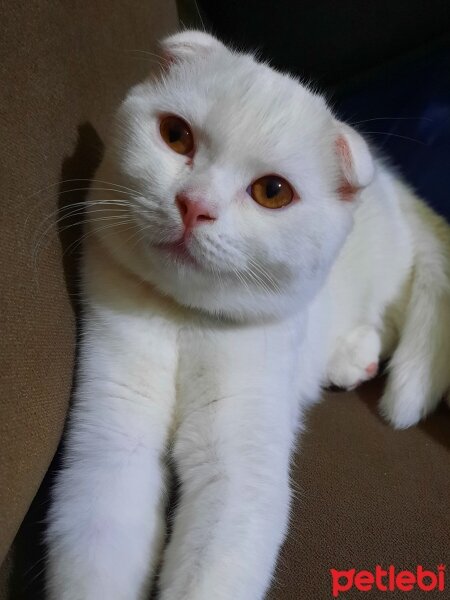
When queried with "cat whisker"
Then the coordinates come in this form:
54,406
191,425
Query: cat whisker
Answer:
396,135
258,281
91,188
95,220
40,244
138,236
77,243
218,275
109,205
35,576
151,56
200,16
120,189
261,276
71,211
391,119
242,278
265,274
63,181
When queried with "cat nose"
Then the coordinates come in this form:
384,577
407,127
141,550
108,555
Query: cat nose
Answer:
194,211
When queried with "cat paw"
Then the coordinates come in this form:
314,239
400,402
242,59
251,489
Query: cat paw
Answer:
398,411
405,403
355,358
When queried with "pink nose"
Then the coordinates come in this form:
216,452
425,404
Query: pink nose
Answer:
193,211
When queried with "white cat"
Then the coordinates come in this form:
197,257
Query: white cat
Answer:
210,317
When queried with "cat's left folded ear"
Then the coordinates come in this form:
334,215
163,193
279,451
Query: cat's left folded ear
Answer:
355,159
188,44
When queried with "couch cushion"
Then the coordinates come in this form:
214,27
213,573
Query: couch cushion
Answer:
365,494
64,66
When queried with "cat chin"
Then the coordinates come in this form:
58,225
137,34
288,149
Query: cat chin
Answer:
198,290
194,286
232,303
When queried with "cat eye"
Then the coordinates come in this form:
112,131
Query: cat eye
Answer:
271,191
177,134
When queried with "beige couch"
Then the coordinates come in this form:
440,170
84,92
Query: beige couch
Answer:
365,493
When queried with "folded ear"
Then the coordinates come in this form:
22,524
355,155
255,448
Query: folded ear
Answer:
187,44
355,159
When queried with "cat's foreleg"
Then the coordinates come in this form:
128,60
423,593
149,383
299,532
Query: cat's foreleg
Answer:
105,528
232,457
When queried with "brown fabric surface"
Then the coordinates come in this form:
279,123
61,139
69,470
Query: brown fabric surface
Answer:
366,495
64,66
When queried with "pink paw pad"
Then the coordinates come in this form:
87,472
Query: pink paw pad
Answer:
372,369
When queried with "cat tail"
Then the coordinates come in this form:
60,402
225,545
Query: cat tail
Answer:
419,370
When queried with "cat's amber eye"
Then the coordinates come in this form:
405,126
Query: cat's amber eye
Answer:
271,191
177,134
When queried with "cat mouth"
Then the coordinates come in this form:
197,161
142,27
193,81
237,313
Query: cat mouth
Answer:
180,252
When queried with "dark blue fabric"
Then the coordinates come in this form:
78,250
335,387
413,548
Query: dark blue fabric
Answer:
405,111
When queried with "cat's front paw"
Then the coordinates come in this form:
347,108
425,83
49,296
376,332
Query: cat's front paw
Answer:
398,410
405,403
355,358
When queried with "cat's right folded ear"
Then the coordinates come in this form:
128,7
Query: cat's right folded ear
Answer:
188,44
355,159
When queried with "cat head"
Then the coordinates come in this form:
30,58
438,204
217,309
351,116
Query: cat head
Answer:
238,183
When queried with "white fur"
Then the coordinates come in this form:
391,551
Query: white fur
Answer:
393,279
212,365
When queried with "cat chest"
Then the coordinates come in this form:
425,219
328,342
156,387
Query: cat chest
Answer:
233,362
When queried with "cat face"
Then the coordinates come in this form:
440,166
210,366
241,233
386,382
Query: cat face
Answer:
241,182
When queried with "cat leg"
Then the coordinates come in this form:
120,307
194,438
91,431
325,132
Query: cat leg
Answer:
106,522
355,357
233,511
231,453
419,370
